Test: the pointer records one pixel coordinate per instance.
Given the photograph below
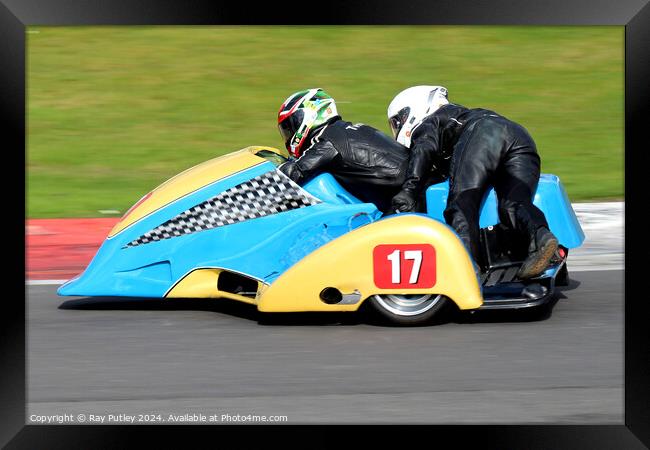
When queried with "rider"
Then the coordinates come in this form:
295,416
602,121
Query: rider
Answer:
365,161
476,148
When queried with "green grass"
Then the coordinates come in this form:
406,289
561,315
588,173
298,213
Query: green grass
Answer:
115,111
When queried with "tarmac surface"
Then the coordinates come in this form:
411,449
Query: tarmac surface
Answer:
158,358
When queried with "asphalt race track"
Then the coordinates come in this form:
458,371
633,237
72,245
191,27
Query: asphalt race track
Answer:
129,356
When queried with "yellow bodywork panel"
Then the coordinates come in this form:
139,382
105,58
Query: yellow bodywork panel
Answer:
346,264
191,180
202,283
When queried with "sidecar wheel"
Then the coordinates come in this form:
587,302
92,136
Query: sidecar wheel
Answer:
412,309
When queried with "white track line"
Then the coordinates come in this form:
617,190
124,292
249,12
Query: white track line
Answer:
44,282
573,268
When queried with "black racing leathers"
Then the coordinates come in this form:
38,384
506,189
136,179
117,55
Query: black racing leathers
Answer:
365,161
477,148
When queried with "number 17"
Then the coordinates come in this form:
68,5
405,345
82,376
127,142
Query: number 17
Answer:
394,258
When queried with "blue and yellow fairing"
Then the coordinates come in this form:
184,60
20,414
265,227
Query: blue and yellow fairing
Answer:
238,218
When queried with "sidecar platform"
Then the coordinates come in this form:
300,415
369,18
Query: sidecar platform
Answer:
499,292
504,254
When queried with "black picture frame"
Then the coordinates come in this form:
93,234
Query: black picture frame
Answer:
15,15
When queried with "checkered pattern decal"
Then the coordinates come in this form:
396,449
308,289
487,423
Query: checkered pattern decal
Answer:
266,194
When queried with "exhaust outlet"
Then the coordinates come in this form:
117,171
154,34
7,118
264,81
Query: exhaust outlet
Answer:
333,296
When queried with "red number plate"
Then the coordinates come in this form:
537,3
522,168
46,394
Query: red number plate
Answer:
405,266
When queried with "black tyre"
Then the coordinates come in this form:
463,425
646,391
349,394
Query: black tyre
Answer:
413,309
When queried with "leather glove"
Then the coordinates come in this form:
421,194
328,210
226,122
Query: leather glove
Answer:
404,201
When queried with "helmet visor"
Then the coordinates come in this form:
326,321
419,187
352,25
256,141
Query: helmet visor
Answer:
290,125
398,120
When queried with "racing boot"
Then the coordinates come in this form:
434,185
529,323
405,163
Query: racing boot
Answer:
541,250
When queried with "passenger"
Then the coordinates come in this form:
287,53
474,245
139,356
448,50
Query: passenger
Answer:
476,148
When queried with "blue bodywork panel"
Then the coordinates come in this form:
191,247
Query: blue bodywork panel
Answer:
262,248
550,197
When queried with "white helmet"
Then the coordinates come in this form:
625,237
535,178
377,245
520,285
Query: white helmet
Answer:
410,107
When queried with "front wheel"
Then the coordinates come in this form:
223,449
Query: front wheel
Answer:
413,309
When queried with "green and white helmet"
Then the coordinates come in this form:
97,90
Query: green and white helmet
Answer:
302,112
